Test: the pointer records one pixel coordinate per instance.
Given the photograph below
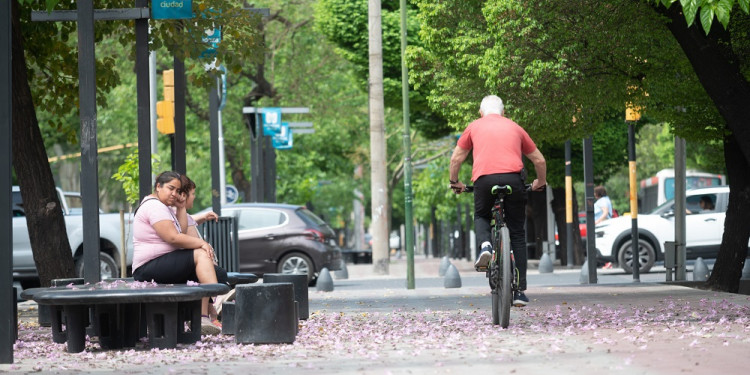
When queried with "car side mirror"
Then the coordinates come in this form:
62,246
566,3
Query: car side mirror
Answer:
667,214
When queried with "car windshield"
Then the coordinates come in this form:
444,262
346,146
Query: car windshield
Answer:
666,206
692,204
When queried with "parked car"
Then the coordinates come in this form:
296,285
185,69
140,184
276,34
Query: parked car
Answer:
704,230
283,238
24,268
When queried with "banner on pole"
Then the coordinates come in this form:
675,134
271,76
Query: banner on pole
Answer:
171,9
271,120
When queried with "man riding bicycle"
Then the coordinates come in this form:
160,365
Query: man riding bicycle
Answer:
498,143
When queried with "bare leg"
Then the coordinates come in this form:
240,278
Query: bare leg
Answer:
204,269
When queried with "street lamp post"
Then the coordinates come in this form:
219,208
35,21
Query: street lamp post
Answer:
632,115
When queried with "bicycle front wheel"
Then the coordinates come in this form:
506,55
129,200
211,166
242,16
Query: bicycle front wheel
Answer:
505,293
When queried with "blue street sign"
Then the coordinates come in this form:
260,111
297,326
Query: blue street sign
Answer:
271,120
171,9
283,139
212,37
232,194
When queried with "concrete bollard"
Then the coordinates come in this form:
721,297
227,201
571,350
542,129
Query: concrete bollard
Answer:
584,278
545,264
700,270
444,263
300,289
325,283
343,273
265,314
746,270
452,278
228,318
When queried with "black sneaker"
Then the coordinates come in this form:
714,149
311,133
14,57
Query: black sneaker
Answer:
520,299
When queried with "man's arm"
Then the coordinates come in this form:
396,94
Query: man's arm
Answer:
540,166
458,157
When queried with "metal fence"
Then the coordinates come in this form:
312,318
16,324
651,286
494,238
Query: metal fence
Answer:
222,235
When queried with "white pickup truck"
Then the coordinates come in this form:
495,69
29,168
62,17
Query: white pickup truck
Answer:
24,268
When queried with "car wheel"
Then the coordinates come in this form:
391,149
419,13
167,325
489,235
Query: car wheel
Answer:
297,264
107,266
646,256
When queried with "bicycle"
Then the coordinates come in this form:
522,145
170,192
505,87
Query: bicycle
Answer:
501,271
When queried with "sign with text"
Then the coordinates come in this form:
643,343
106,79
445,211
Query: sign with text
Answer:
271,120
171,9
283,139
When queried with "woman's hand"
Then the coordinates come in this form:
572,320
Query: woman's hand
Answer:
180,200
206,216
210,251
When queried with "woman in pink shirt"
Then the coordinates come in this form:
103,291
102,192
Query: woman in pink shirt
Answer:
162,249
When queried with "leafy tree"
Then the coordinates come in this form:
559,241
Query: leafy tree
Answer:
45,75
555,60
344,22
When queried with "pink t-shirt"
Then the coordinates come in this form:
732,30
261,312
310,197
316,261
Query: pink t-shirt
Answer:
497,143
147,244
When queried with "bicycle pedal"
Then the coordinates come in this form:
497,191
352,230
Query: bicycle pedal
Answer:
482,268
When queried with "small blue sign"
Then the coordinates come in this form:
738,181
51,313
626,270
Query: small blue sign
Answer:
271,120
232,194
282,140
171,9
212,37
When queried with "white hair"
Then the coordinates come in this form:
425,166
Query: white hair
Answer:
491,104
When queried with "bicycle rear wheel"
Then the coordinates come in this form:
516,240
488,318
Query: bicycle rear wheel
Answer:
495,296
505,293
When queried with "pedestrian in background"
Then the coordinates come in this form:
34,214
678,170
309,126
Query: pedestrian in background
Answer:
602,206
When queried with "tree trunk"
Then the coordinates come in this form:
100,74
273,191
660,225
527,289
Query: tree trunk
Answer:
378,169
717,69
727,270
44,216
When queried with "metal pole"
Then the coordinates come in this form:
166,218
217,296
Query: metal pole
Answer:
213,113
89,161
568,205
179,116
408,217
680,187
256,157
222,169
635,243
588,172
269,171
152,106
143,98
7,315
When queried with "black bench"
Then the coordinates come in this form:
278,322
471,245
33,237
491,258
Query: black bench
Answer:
171,312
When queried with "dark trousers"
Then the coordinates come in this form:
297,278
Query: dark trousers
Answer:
515,216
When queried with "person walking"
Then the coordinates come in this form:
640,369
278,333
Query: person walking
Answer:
498,145
602,206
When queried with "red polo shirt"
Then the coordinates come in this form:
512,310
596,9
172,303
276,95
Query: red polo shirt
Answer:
498,144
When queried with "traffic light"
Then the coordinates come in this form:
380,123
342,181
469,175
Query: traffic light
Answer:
165,108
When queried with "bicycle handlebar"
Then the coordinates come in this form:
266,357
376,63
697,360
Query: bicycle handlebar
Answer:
508,189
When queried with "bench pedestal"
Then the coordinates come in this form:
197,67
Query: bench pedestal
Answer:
300,289
265,314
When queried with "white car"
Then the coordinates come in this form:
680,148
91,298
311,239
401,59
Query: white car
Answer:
704,230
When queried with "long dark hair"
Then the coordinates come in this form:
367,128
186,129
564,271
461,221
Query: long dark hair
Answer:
165,177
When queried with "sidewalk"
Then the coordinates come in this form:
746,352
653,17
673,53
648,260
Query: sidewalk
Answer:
372,324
